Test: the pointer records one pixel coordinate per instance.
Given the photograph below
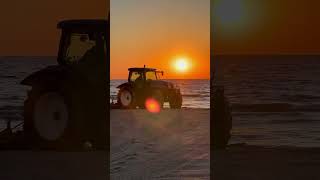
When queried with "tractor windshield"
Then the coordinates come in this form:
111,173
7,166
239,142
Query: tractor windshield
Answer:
78,46
136,76
159,74
151,75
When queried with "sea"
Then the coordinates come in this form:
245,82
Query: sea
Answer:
275,100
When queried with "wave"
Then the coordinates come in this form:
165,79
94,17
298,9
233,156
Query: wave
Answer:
8,76
290,121
11,108
194,95
274,107
301,97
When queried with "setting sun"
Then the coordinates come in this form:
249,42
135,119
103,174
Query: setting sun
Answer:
182,64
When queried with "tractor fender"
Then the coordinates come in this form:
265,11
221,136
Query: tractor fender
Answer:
48,76
125,85
160,84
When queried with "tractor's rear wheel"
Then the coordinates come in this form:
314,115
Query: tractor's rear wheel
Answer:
175,101
126,98
48,119
51,116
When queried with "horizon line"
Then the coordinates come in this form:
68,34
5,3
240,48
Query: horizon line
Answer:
169,79
266,54
211,54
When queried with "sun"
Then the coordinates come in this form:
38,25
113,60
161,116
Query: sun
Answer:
182,64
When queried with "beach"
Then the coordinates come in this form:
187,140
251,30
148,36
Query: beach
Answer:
174,144
171,145
51,165
275,99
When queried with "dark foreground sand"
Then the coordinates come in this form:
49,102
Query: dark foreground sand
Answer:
171,145
261,163
40,165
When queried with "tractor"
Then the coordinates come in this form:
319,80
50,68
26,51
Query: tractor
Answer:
220,115
222,119
66,105
144,83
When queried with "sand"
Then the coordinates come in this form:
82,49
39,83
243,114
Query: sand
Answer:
39,165
266,163
173,144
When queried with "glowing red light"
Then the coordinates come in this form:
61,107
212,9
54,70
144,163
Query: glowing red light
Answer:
152,105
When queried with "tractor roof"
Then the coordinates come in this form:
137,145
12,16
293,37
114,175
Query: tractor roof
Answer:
88,24
142,69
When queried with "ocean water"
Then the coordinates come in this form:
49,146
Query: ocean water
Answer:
12,95
275,99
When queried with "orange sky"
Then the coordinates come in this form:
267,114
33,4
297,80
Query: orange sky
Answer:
265,27
28,28
153,32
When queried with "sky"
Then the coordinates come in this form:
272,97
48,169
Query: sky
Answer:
28,28
157,32
265,27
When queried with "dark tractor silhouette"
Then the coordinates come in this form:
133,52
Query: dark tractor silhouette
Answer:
67,102
221,116
222,119
144,83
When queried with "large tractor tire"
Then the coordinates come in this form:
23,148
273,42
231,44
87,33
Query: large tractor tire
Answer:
126,98
48,119
222,120
175,101
158,96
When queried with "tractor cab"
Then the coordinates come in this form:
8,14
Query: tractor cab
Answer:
144,74
81,37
